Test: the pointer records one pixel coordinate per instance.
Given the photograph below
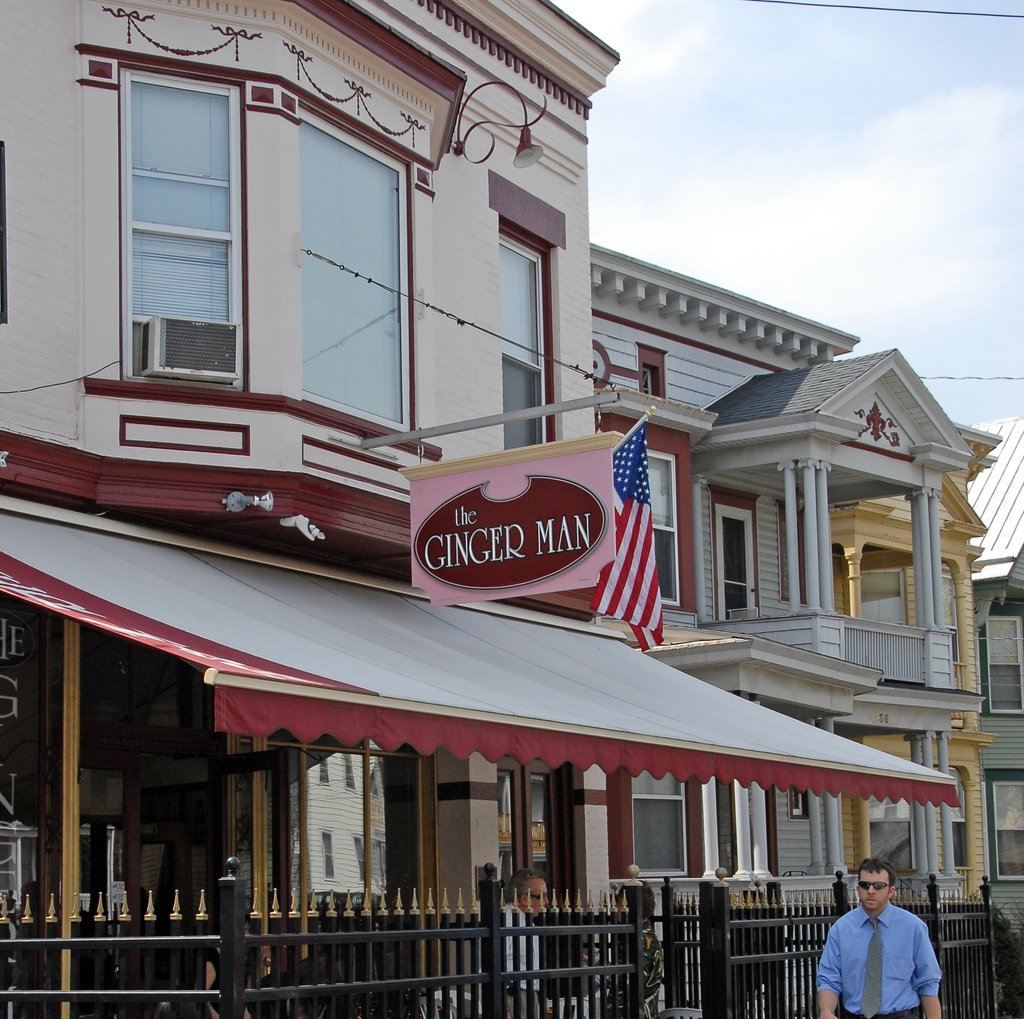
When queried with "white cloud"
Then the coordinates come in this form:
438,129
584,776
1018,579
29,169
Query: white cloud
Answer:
903,213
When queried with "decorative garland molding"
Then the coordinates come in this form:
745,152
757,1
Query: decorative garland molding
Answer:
360,94
343,58
136,19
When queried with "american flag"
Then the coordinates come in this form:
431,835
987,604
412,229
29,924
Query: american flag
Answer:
628,586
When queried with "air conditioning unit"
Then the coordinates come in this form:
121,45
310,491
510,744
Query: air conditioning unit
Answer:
187,348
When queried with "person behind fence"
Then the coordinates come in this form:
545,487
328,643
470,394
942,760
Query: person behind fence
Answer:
878,958
529,891
654,957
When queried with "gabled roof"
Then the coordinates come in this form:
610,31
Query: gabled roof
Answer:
871,417
998,496
792,392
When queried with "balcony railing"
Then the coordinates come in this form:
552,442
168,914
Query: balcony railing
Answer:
907,654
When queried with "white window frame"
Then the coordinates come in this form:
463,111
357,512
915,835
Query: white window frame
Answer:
996,787
991,649
327,843
723,512
902,575
877,811
537,261
949,602
233,236
678,797
404,241
669,597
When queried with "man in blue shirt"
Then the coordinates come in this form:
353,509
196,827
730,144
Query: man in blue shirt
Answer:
909,974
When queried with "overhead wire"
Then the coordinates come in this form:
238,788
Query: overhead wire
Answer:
53,385
891,10
457,319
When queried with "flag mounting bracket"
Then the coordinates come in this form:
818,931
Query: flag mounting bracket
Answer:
603,399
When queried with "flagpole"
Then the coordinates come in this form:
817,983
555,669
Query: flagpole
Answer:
625,438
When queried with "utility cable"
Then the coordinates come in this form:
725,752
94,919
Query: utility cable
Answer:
457,319
890,10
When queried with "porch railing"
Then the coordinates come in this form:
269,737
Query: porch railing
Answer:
908,654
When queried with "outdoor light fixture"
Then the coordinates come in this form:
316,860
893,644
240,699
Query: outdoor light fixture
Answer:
528,151
304,526
238,501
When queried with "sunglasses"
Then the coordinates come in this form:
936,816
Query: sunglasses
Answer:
877,885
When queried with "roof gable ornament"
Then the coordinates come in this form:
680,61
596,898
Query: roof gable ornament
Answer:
879,424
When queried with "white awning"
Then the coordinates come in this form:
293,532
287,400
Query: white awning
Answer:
318,653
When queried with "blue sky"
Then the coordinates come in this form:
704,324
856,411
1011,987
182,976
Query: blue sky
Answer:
861,168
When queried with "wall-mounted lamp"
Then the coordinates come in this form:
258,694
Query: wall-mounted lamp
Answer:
238,501
3,457
302,524
528,151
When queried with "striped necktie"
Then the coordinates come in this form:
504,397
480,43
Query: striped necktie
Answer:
871,999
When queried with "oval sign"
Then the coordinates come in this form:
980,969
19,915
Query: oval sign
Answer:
477,543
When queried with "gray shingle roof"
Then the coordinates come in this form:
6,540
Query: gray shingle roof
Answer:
791,392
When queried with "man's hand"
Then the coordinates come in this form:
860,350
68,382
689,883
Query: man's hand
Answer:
828,1002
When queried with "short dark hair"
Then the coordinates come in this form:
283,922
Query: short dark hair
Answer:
519,884
875,865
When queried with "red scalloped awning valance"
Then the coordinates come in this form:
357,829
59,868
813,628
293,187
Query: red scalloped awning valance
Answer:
320,655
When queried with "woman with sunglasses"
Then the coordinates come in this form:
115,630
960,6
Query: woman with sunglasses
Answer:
878,958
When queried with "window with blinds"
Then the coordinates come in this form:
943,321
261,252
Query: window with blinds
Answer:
183,211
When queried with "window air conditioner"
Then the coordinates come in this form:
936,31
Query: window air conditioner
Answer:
183,348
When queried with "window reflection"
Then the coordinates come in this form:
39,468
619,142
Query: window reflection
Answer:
359,812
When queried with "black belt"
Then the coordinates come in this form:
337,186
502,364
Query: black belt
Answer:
883,1015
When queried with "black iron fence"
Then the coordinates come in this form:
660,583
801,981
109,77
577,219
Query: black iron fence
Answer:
755,953
339,962
728,954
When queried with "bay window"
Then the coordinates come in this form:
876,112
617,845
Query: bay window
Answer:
353,330
182,205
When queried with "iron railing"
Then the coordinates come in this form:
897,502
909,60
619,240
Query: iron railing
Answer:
728,953
755,954
340,961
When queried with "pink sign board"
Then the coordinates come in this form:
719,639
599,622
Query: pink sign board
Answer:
506,526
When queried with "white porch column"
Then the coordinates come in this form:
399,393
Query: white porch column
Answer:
788,467
929,810
741,808
935,547
946,812
825,581
833,821
699,594
759,831
920,840
811,569
924,614
709,815
814,831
